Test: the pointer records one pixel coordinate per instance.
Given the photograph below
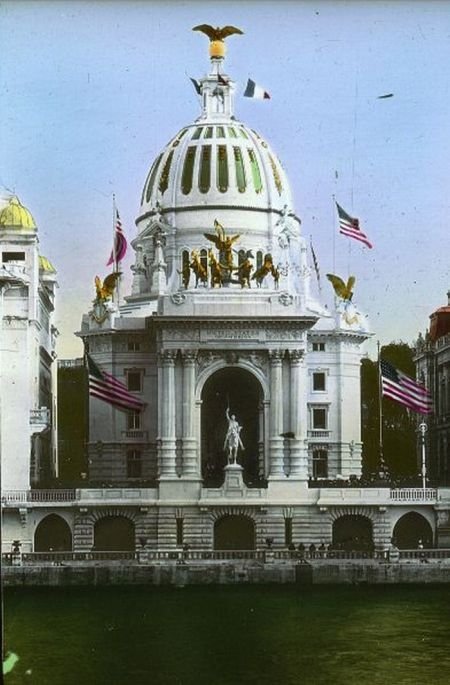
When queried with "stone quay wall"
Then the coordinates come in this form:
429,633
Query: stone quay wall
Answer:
317,573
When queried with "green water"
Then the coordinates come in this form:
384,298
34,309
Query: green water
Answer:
229,635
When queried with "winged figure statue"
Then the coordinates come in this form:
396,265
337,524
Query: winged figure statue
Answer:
105,289
224,244
342,290
217,33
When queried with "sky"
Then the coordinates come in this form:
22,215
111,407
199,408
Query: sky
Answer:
91,92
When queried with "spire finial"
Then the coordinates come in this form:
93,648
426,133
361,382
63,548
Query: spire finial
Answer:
217,49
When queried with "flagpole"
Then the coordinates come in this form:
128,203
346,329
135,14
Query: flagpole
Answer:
380,409
115,260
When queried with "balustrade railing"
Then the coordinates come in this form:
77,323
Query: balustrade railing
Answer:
179,556
413,494
18,496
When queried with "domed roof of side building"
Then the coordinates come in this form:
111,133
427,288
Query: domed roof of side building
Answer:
45,265
15,215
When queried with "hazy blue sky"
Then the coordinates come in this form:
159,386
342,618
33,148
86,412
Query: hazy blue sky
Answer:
91,92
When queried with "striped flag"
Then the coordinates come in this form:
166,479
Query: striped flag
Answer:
252,90
197,86
349,226
120,242
402,389
316,263
104,386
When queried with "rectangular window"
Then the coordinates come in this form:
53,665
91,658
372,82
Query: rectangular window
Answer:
13,257
288,532
318,347
180,526
134,464
133,346
134,381
320,463
319,380
319,418
133,420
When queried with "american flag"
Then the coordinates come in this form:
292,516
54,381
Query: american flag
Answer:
120,242
106,387
399,387
349,226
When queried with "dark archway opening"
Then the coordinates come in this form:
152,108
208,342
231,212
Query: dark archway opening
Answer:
114,534
53,534
353,533
239,390
234,533
411,528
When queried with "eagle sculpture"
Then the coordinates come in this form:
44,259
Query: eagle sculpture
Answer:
217,33
342,290
105,289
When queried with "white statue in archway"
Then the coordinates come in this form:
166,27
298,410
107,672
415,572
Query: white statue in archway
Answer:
232,438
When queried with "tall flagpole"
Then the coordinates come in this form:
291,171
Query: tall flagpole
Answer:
423,429
115,260
380,410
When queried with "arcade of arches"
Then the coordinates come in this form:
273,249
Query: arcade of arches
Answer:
239,390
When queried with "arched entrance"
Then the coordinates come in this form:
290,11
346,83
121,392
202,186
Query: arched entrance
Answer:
53,534
239,390
353,532
411,528
234,532
114,534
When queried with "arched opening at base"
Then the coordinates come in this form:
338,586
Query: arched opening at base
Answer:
114,534
53,534
410,529
234,533
240,391
353,532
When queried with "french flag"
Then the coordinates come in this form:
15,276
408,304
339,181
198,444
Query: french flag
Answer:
252,90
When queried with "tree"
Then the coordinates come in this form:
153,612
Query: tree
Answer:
399,424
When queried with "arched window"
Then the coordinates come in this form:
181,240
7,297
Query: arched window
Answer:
204,178
240,171
256,175
188,170
222,168
411,528
353,532
259,259
150,180
164,180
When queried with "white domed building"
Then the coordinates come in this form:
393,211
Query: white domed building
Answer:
220,323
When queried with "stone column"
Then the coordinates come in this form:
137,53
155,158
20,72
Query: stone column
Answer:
189,442
297,401
276,415
167,395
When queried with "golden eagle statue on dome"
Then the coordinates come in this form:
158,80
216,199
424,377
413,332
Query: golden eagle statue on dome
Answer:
216,37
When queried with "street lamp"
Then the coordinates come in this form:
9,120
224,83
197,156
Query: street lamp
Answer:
423,429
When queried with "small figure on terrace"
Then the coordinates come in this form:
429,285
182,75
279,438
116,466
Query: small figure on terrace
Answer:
232,438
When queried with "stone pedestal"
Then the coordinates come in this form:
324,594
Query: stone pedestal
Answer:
233,478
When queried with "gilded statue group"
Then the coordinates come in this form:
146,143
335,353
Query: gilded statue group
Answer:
222,267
